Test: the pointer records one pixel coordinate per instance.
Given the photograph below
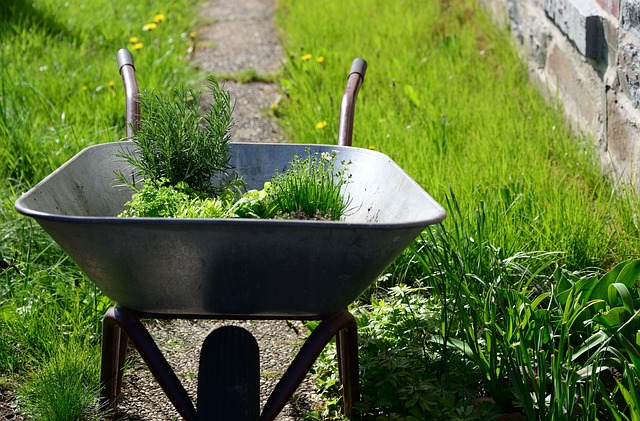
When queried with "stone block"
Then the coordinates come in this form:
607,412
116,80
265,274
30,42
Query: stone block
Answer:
622,146
586,53
629,72
534,32
580,21
611,37
578,87
631,16
612,7
516,21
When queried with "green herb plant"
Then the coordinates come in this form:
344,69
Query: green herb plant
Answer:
162,200
182,163
311,188
175,144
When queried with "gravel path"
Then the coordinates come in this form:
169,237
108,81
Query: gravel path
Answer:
241,37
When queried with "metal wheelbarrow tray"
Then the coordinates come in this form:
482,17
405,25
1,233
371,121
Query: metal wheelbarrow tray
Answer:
228,267
231,268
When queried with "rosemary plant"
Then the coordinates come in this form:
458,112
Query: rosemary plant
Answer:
176,144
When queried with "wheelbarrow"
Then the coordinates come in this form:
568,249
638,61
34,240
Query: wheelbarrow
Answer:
231,268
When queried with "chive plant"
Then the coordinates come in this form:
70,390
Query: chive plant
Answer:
311,188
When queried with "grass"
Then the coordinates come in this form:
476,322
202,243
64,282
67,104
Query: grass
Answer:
445,97
251,75
59,92
65,387
449,100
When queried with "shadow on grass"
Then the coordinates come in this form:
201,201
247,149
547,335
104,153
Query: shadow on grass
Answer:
17,16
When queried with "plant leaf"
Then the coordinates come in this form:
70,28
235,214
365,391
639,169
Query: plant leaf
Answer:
620,290
611,320
593,341
412,95
626,273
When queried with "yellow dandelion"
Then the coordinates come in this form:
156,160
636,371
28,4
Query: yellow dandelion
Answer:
373,148
320,60
137,46
273,106
85,88
111,84
306,57
158,18
192,34
133,40
149,27
321,125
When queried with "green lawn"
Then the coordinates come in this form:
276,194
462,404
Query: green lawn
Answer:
504,299
509,287
60,91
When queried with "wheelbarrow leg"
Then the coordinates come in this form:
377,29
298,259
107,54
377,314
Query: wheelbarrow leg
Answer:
307,355
152,356
347,352
114,353
229,376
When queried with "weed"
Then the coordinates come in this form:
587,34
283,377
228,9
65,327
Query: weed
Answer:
251,75
65,388
401,360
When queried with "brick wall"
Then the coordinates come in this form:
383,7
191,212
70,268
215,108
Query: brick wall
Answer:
586,53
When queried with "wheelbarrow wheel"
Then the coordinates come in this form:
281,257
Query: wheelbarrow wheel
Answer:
229,376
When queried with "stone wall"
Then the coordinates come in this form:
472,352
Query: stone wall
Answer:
586,53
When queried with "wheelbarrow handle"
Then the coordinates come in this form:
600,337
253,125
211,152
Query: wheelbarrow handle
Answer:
348,105
127,71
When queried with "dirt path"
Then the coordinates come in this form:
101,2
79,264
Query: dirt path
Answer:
241,37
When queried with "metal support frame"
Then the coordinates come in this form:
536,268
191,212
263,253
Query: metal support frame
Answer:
121,325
